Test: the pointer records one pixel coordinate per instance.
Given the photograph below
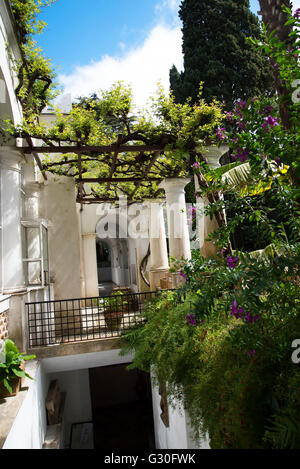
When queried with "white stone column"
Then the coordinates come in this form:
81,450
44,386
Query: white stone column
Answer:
12,258
58,206
205,225
90,264
159,265
178,232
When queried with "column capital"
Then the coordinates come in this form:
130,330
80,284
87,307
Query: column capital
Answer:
149,202
176,185
213,153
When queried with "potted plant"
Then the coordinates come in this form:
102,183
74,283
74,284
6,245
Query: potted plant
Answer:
114,309
12,369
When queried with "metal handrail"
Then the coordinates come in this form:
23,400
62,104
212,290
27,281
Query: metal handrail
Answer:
80,319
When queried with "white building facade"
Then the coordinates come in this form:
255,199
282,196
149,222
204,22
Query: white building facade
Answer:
49,246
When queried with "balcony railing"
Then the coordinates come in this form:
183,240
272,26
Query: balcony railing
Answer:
82,319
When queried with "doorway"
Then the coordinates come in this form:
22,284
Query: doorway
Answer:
121,408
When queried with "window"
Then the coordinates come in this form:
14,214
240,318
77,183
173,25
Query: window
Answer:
35,253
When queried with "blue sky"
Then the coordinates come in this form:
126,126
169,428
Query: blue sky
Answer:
94,43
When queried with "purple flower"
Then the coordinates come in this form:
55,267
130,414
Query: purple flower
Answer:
190,319
254,99
231,262
235,311
241,154
230,117
250,319
196,166
193,211
182,274
297,14
251,353
269,122
278,161
241,104
268,109
242,124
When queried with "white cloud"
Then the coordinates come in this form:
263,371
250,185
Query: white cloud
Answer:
172,5
296,4
141,67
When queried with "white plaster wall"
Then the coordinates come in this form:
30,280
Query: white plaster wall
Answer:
73,375
84,361
78,406
174,436
59,208
29,428
179,435
7,36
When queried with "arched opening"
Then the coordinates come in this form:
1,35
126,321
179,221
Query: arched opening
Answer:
103,252
112,260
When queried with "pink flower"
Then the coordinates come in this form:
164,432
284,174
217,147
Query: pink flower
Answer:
220,134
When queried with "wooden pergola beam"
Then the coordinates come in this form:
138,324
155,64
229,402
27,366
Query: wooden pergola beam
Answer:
118,180
36,157
94,149
139,183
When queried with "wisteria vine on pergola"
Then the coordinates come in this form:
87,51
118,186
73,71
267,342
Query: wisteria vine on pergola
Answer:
107,148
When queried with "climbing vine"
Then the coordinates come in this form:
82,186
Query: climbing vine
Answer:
178,130
35,74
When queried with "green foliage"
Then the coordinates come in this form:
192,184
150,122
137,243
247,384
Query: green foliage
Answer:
225,346
26,16
228,371
285,431
116,302
10,365
217,53
110,119
35,88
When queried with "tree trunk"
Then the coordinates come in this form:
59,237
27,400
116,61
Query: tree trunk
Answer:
274,19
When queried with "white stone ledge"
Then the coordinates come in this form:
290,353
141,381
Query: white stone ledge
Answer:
10,406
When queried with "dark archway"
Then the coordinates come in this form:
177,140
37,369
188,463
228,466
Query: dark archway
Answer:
121,408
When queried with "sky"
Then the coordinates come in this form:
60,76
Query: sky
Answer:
95,43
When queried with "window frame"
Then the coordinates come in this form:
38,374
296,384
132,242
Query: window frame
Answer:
44,252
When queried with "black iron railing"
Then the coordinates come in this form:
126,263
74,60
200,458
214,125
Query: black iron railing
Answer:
81,319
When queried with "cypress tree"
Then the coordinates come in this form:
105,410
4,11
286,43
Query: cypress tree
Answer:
217,53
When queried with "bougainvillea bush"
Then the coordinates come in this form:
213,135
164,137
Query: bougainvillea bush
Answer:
226,342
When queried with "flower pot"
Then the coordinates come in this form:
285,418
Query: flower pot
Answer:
15,384
113,319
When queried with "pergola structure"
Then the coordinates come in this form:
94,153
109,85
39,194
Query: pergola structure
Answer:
144,169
